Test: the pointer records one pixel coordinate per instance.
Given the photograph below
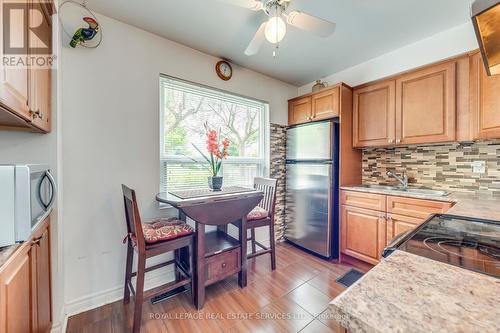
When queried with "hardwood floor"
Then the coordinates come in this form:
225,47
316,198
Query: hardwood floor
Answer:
293,298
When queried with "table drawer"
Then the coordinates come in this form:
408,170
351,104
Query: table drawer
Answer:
417,208
222,265
363,200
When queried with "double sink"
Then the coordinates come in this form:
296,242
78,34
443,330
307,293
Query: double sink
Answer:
422,191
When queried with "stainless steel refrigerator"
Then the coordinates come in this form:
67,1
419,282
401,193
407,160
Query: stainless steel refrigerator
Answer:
312,187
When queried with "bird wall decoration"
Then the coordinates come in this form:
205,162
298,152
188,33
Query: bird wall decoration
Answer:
85,34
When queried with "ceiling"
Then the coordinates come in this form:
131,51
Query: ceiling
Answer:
365,29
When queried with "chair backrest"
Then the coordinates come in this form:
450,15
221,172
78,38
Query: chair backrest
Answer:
268,187
132,216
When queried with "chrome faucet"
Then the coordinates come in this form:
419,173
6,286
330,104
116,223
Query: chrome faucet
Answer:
402,180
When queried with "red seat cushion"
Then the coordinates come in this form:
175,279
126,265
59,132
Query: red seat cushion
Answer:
258,213
165,229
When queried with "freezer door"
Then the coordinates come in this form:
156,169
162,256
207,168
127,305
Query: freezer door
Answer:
308,206
310,142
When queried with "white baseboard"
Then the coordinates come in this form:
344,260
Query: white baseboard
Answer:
104,297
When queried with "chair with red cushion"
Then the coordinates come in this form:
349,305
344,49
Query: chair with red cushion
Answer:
151,239
261,216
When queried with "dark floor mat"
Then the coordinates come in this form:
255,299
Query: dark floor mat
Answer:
349,278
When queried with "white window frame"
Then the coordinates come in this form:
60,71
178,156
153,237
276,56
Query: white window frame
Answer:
263,161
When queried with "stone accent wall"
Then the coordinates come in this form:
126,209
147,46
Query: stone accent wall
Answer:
278,171
443,166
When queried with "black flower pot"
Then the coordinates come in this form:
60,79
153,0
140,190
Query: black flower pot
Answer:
215,183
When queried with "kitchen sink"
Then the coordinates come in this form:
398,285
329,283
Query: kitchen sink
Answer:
423,191
381,187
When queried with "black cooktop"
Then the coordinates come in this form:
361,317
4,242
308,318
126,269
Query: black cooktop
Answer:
469,243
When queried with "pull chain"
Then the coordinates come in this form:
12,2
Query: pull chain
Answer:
278,14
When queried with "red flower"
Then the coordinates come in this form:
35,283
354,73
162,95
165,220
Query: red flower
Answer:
212,142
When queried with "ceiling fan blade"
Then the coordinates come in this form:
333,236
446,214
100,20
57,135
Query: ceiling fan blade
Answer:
248,4
257,40
311,23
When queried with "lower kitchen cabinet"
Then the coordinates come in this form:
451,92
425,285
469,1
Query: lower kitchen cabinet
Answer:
369,221
16,294
397,224
363,233
25,293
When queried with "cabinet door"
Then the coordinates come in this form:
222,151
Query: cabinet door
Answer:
14,80
40,82
299,111
397,224
326,104
374,115
426,105
42,302
16,293
363,233
485,101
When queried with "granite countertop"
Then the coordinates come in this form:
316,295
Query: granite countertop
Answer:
6,252
465,204
410,293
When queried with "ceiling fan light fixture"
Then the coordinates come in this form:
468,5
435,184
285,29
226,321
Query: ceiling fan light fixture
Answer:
275,29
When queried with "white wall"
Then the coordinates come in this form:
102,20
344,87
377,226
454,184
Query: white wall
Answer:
110,125
444,45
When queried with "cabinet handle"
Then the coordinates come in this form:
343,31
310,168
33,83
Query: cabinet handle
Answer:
398,141
391,140
36,241
223,265
381,216
37,114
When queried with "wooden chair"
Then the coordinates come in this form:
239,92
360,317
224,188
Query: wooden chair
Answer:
136,241
268,203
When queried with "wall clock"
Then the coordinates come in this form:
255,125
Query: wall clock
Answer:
224,70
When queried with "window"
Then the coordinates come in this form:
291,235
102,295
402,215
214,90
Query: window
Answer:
184,108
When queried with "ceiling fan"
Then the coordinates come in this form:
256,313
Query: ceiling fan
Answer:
274,29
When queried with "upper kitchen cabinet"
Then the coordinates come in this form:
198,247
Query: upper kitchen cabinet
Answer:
40,101
416,107
374,115
485,101
299,110
324,104
25,92
14,81
425,105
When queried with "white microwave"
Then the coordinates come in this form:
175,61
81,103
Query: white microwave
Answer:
27,193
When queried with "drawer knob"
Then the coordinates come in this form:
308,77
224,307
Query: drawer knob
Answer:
223,265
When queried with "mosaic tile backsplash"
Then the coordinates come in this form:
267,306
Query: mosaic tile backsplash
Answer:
443,166
278,171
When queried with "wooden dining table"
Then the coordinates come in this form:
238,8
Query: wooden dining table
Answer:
217,255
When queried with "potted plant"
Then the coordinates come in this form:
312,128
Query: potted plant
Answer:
217,152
